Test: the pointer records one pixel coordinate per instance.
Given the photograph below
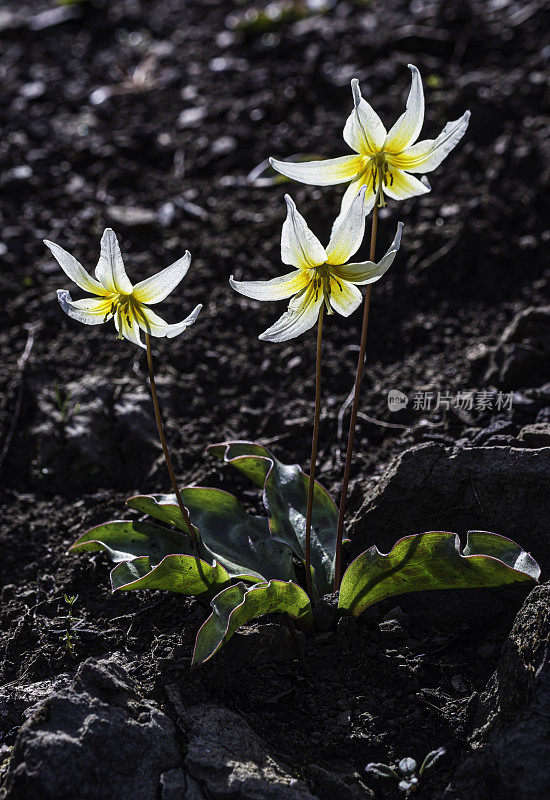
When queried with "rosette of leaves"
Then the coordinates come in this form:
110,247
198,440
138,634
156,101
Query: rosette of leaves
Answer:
248,565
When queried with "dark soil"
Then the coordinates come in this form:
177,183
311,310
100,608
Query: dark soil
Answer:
77,432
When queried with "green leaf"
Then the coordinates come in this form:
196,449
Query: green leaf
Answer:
125,539
240,542
285,498
184,574
433,561
238,604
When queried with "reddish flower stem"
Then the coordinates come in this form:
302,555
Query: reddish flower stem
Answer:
313,461
354,410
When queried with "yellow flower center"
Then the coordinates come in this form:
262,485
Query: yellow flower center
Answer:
122,307
321,282
380,175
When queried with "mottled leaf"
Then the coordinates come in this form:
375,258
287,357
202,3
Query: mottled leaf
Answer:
125,539
240,542
285,498
238,604
433,561
184,574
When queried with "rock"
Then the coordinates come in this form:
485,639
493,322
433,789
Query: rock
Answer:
325,613
229,760
498,427
522,358
95,740
92,431
536,435
132,216
432,487
510,743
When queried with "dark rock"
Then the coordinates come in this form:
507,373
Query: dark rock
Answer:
95,740
95,432
325,613
497,427
522,357
536,435
510,743
500,489
229,760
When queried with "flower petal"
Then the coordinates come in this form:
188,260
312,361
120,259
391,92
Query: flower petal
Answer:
404,186
320,173
428,154
74,270
302,314
154,325
407,128
368,271
110,270
348,231
276,289
156,288
299,246
90,311
126,323
364,131
344,296
364,179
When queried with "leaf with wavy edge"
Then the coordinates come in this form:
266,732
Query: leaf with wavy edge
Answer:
240,542
433,560
285,498
125,539
176,573
238,604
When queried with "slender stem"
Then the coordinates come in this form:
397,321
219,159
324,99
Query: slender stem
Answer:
162,437
313,462
354,409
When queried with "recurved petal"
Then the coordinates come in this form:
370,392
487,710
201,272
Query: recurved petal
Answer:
156,288
428,154
364,131
364,179
320,173
299,246
367,271
90,311
110,270
344,296
407,128
276,289
128,327
302,315
404,186
154,325
348,231
74,270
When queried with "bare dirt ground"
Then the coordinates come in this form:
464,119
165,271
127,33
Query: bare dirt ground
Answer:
463,308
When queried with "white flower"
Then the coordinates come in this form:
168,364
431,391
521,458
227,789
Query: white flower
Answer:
384,159
321,275
117,299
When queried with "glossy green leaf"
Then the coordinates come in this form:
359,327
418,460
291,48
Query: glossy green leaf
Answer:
240,542
238,604
125,539
285,498
184,574
433,561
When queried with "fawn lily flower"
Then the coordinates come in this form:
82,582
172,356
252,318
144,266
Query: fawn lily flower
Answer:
321,275
384,159
116,297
